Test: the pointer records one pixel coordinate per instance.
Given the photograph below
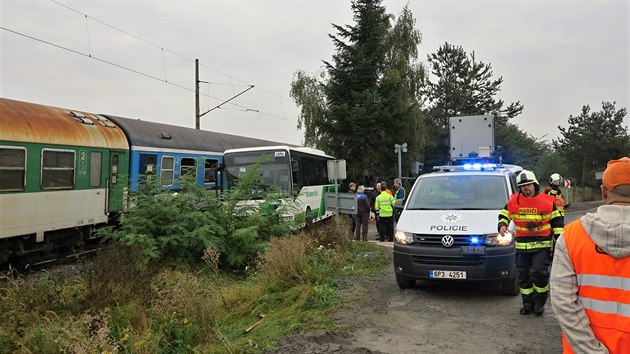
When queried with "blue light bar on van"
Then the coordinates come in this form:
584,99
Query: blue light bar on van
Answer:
479,166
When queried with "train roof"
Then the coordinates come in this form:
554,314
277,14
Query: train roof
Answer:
35,123
143,133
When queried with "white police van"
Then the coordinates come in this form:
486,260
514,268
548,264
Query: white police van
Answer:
448,227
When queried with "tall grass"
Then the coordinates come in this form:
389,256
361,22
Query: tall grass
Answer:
165,284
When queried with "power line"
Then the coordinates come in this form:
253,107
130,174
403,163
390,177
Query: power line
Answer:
165,50
134,71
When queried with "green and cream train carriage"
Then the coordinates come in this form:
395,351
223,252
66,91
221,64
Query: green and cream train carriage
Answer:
61,172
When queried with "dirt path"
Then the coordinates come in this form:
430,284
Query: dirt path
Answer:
434,318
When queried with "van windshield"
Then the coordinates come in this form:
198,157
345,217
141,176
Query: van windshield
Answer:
463,192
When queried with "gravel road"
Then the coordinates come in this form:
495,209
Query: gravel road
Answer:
435,317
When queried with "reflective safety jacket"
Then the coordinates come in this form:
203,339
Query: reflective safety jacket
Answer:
536,220
603,290
556,193
384,204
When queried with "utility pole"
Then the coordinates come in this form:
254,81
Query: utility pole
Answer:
399,149
197,116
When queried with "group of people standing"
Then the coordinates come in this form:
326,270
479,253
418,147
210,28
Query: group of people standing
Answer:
380,203
590,273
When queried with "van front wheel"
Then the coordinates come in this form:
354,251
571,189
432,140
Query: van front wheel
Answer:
404,282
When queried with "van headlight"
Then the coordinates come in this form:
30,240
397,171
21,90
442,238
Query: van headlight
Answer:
498,240
404,238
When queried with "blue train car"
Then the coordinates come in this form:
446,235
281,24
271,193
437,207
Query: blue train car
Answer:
168,152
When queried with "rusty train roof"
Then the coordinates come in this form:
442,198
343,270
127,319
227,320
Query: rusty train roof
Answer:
34,123
149,134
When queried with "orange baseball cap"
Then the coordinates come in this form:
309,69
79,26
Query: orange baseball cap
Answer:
617,173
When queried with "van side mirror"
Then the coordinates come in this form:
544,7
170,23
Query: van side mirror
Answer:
399,204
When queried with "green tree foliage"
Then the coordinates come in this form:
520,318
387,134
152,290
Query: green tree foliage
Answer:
463,86
401,87
592,139
550,162
178,227
367,100
517,147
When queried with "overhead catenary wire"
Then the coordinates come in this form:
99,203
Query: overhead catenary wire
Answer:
247,109
181,56
89,54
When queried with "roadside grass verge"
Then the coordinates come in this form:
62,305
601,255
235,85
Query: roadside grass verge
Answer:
116,303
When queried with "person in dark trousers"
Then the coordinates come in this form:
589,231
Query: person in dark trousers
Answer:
538,222
363,215
375,193
553,189
399,193
384,205
352,188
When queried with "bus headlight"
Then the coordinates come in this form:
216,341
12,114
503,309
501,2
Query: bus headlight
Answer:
404,238
498,240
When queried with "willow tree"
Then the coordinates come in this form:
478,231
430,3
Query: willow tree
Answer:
366,100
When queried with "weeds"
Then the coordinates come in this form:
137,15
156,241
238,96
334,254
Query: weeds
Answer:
150,291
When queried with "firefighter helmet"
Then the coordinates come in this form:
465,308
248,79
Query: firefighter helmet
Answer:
526,177
555,178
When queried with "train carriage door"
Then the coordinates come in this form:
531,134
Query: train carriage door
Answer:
114,195
211,173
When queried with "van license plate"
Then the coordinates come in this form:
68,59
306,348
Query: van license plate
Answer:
447,274
473,249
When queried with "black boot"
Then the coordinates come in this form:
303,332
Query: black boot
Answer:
539,309
525,311
539,302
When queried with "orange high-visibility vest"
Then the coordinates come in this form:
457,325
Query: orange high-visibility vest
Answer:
559,199
603,289
531,215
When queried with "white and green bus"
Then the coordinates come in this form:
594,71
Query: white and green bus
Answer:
299,172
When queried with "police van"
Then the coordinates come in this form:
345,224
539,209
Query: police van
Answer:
448,227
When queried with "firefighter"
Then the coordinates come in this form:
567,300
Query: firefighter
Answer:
538,223
555,180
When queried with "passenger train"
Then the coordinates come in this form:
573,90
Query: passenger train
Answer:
63,172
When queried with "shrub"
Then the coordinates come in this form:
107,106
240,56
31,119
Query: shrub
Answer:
118,275
177,227
286,259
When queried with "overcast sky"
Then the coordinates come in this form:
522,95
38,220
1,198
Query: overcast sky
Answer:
554,56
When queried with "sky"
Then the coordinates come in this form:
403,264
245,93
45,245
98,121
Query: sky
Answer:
136,59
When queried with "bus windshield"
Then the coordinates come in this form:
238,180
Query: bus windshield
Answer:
464,192
275,169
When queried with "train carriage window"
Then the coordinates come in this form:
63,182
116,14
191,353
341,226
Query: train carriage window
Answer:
188,166
12,168
96,159
210,171
167,170
57,169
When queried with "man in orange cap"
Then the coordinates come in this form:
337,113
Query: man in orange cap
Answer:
590,276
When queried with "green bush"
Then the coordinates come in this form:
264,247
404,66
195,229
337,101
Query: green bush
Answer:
177,227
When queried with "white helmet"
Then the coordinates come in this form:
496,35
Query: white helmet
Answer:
526,177
555,178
